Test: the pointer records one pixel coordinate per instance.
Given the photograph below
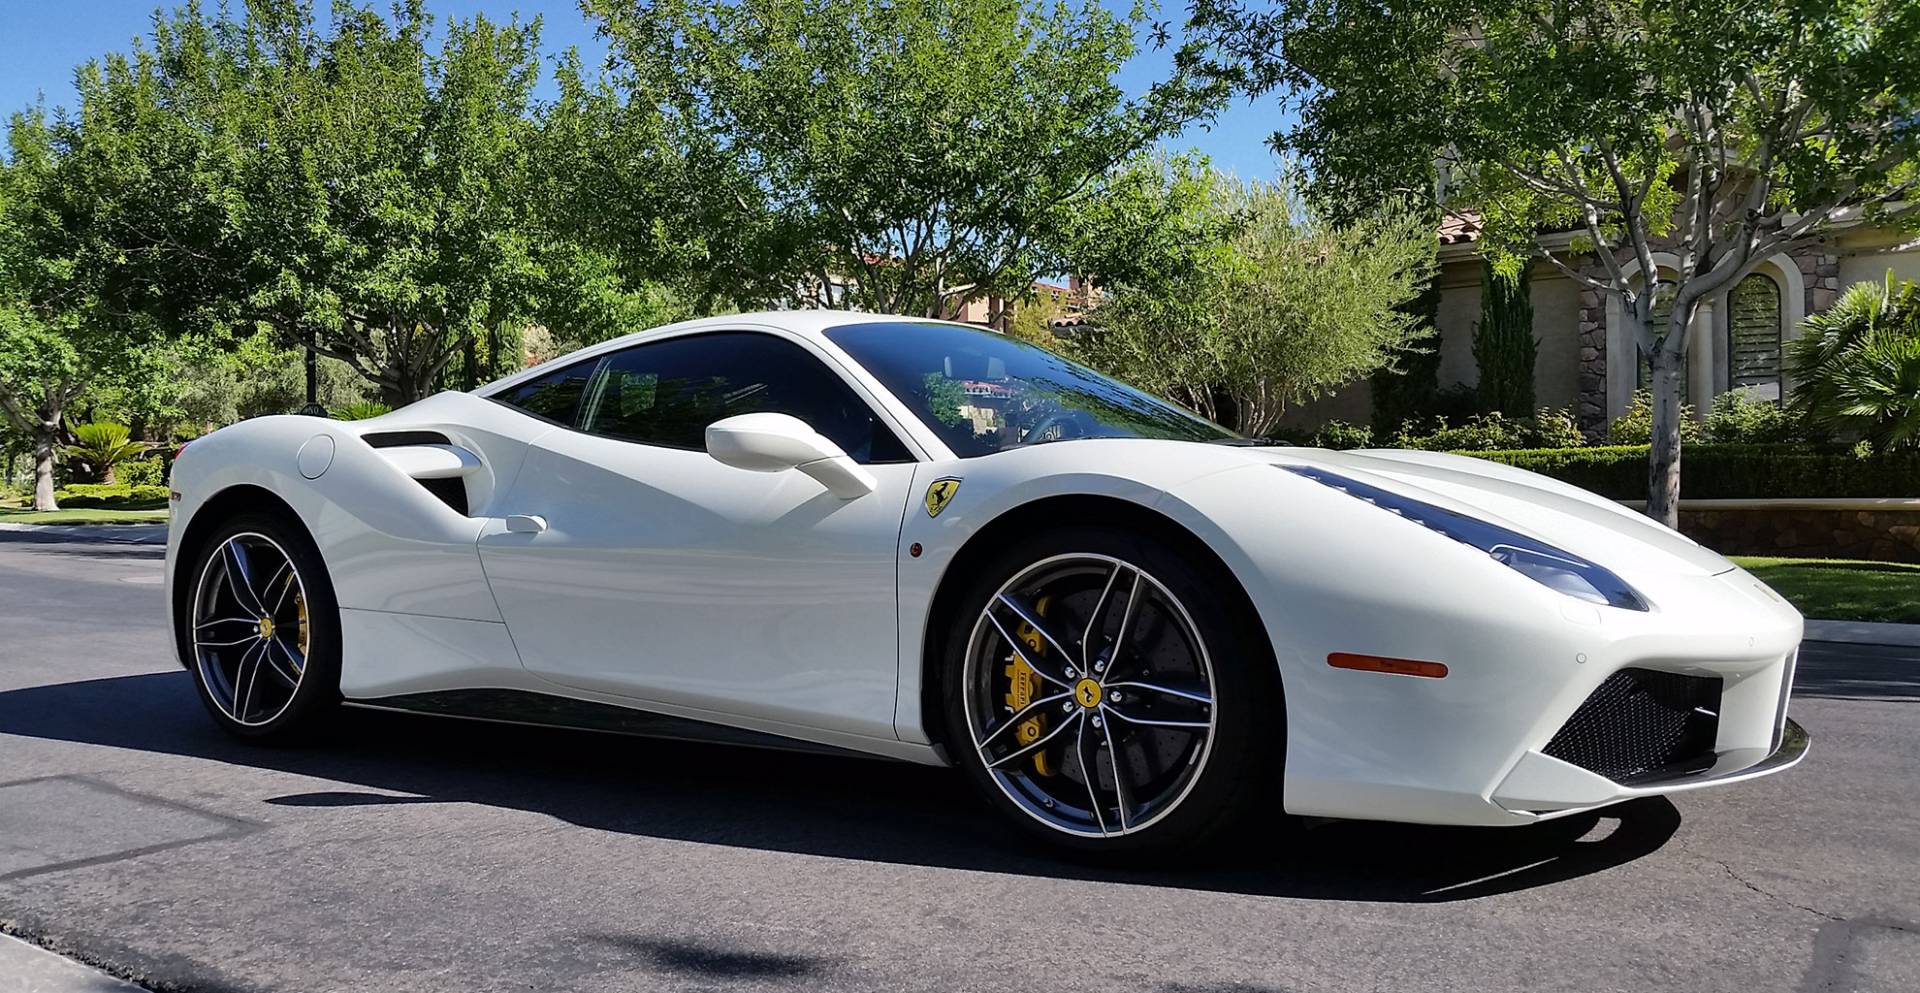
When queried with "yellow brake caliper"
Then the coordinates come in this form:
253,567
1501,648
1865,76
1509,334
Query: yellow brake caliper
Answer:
1023,684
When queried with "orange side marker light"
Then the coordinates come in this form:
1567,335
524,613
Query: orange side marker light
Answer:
1376,663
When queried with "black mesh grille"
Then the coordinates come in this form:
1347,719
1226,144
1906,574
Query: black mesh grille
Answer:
1642,725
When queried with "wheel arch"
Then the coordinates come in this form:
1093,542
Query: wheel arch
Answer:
1079,508
240,498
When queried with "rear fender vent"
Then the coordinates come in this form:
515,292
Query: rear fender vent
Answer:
396,439
1643,725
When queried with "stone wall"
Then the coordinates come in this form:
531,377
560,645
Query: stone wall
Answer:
1882,531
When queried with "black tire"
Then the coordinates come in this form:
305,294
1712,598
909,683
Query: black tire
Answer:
1238,774
315,693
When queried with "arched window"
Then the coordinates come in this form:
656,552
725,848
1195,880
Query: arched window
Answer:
1753,336
1662,312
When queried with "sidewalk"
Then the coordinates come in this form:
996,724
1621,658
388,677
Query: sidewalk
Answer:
1864,633
137,534
27,968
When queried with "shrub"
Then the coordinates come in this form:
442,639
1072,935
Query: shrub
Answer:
1741,418
1340,434
1481,432
1718,471
1635,427
144,472
111,496
1555,427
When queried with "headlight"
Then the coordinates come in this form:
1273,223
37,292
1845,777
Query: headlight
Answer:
1544,564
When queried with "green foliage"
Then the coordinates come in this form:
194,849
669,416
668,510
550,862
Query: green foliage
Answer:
1406,390
360,411
1277,306
143,472
1480,432
929,151
1739,417
1547,428
1716,471
1635,427
1503,343
102,445
112,496
356,187
1556,427
1343,436
1856,366
1032,323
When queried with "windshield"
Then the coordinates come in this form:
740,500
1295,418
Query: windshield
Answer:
983,392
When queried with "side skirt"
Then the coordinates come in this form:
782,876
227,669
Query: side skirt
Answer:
548,710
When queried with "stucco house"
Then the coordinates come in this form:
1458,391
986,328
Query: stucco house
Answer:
1586,355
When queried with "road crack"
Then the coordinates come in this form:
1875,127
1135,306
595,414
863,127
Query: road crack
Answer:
1769,894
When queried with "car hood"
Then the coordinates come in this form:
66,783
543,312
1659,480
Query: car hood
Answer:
1560,514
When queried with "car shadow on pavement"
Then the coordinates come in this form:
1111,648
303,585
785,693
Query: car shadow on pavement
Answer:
821,805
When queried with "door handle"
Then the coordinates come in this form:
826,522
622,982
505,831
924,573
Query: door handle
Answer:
526,523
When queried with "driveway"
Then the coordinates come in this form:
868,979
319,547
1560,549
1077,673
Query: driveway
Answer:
424,854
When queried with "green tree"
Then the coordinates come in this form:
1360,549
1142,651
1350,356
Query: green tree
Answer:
1277,307
374,194
900,156
1503,343
63,323
1718,130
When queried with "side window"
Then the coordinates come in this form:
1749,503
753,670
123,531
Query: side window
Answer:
554,396
666,393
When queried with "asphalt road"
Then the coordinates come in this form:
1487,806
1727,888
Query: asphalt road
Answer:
421,854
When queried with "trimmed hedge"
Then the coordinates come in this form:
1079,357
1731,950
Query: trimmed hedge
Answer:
1726,472
111,496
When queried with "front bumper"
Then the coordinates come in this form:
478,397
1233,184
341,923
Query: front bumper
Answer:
1542,787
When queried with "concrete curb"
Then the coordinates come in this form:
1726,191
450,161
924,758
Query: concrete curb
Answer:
137,534
28,968
1864,633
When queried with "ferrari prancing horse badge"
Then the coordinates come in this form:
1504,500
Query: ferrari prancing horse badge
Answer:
940,494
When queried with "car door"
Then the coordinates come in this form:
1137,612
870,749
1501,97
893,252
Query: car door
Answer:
662,575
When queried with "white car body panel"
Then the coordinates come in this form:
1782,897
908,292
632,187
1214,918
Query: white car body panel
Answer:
670,583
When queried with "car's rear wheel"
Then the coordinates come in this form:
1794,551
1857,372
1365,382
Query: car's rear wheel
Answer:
261,630
1103,689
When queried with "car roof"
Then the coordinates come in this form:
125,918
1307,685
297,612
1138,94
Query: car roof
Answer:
811,325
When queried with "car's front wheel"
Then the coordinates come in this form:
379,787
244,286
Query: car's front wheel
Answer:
1105,691
260,630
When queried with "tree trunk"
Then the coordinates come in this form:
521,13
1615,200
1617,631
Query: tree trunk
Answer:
1663,461
43,449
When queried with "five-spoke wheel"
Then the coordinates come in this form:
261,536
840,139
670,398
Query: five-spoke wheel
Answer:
258,605
1088,689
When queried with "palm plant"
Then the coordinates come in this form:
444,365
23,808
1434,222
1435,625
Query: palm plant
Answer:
103,445
360,410
1856,367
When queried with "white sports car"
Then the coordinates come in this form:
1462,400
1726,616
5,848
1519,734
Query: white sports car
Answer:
930,542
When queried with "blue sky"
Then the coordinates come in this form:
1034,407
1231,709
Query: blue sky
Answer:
41,41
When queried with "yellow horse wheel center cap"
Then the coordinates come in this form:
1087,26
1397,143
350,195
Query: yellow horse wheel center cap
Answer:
1087,692
266,627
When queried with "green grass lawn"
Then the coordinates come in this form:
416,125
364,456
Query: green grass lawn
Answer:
1843,589
16,515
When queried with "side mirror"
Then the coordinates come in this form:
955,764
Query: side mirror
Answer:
778,442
